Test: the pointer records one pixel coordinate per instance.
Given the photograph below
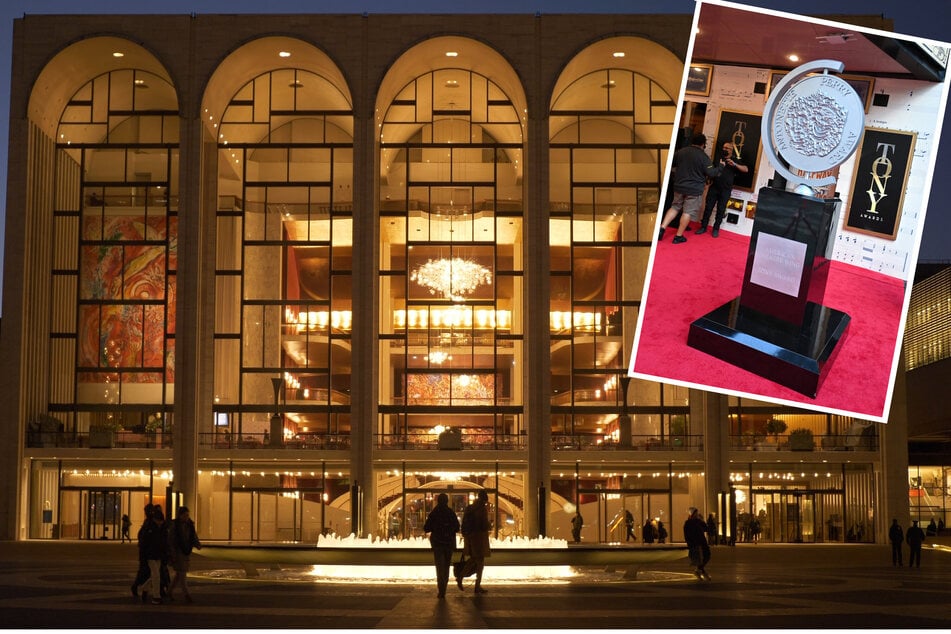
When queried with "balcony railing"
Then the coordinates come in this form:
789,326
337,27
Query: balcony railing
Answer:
821,442
99,439
226,440
465,440
583,442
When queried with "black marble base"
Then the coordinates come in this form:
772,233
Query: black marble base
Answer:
791,355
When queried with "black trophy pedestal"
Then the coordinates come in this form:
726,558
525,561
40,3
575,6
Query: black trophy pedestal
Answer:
789,354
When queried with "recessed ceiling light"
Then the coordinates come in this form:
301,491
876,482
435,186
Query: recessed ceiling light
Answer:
118,54
452,83
618,53
452,54
284,54
793,57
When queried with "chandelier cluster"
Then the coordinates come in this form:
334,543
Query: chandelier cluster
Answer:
453,278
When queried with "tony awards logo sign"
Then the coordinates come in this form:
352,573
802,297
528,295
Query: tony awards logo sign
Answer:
880,172
739,138
813,122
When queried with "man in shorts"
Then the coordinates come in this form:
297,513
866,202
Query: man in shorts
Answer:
691,167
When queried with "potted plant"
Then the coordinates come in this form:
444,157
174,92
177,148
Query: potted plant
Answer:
801,440
102,433
775,426
678,430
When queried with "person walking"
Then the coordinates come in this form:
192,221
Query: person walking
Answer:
629,526
896,536
647,532
577,523
126,527
142,574
915,537
182,539
475,535
442,526
711,530
661,533
695,534
153,541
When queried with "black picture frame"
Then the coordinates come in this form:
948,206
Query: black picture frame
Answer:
884,159
699,77
742,129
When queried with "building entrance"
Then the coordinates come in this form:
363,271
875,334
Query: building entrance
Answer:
623,515
96,513
783,517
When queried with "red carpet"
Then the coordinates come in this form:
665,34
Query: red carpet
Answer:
690,279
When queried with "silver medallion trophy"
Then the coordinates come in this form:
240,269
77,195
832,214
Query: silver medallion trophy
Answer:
778,327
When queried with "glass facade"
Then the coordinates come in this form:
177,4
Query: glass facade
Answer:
472,199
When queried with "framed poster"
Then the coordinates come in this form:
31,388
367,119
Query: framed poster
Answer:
864,86
878,184
698,79
742,129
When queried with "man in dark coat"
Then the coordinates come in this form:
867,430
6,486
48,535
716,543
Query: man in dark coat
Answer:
442,526
896,536
695,534
915,537
153,542
182,539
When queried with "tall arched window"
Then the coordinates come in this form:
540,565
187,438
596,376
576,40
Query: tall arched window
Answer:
609,136
451,263
283,266
115,233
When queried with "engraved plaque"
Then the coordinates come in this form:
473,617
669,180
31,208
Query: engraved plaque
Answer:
777,264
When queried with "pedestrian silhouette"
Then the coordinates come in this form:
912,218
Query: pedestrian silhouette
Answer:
442,526
915,537
896,537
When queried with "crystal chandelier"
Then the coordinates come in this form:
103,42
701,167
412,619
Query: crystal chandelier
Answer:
453,278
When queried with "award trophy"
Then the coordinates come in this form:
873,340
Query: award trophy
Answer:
777,327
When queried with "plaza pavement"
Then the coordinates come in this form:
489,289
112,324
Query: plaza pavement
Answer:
83,585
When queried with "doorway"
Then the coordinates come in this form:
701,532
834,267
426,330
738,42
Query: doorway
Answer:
782,517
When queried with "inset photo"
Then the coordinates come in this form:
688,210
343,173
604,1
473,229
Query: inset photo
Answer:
792,213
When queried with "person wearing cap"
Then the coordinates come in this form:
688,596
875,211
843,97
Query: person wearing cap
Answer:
182,538
915,537
695,534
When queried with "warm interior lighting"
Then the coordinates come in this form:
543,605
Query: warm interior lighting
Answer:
284,54
315,320
618,53
580,321
793,57
453,278
118,54
452,54
452,317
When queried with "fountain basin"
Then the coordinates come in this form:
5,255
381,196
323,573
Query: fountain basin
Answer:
575,555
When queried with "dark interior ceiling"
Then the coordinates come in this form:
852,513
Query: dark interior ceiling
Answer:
727,35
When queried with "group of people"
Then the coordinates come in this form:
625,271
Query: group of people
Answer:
442,526
162,543
693,172
915,537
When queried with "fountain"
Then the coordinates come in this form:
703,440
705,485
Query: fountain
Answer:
367,559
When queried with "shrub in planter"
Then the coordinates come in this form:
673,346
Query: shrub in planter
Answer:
801,440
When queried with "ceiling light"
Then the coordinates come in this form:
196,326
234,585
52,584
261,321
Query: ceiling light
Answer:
452,54
284,54
118,54
618,53
792,57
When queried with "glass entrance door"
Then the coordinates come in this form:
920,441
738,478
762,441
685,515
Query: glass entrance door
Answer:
781,517
102,510
612,512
